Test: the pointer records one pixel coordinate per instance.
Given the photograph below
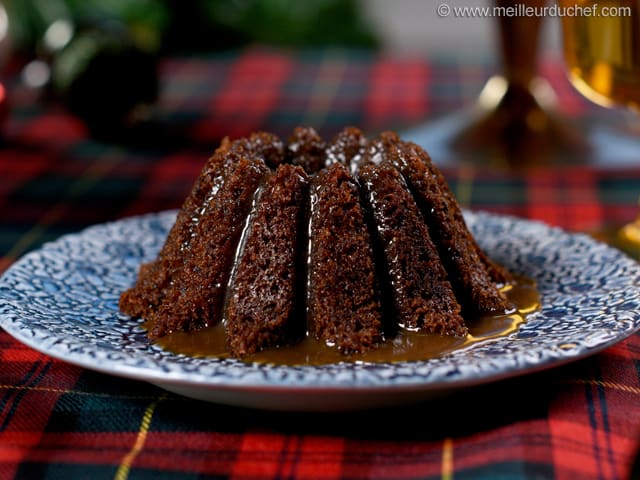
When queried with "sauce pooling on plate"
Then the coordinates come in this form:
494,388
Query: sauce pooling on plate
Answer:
404,346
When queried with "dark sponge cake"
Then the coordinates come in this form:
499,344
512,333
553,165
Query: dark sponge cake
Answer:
345,241
261,310
423,298
343,303
472,274
184,288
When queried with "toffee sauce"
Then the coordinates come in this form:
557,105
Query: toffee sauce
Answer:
404,346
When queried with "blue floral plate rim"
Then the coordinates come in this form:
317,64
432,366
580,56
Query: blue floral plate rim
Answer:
62,301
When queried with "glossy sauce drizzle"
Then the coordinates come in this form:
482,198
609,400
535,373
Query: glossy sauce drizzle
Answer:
404,346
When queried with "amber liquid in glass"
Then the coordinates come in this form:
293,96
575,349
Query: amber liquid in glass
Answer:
603,52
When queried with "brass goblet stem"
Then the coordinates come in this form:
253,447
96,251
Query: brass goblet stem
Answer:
515,127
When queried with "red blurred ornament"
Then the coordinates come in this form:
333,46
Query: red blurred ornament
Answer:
4,106
4,53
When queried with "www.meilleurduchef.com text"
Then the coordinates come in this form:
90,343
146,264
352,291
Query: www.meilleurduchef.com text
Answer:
523,10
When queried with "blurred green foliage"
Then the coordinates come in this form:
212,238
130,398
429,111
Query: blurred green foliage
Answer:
169,26
112,46
291,22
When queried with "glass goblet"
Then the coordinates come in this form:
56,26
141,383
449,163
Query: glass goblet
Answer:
513,123
601,45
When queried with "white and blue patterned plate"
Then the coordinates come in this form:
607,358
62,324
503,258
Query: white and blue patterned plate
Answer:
63,301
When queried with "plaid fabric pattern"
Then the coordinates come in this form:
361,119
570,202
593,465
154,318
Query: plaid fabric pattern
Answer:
58,421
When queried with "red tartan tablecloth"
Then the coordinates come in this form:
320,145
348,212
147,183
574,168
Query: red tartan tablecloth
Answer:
59,421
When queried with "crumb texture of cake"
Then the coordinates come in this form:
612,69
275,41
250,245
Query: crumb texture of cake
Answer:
423,299
261,310
471,273
343,303
346,241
